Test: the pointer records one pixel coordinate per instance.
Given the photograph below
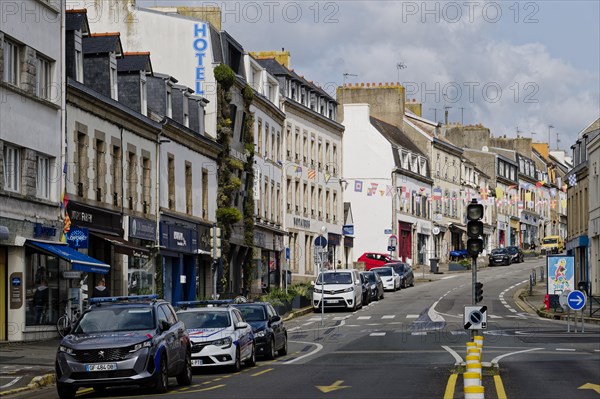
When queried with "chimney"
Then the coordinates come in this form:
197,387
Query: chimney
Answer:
386,102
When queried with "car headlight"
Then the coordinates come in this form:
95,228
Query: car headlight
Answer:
349,289
65,349
137,347
317,290
374,286
260,334
224,342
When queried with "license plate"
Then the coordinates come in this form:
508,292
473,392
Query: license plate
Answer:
101,367
332,301
197,362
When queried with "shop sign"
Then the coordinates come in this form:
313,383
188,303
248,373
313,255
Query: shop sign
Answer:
87,216
333,239
178,238
142,228
39,230
348,230
260,239
72,274
16,290
78,237
299,222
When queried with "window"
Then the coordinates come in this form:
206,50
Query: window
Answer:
11,62
99,170
12,168
82,166
43,177
259,141
78,66
170,108
146,183
43,79
266,141
204,194
188,188
171,181
116,174
132,162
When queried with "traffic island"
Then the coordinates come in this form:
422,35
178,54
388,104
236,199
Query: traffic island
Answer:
36,383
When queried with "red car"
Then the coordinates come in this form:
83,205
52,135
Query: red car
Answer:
374,259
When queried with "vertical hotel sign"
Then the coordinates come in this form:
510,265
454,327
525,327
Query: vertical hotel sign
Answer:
200,46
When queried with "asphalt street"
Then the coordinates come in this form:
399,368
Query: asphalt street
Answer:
409,345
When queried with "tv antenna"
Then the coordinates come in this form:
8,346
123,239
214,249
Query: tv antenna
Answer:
435,110
346,74
462,114
400,66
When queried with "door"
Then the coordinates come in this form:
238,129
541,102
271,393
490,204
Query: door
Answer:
3,294
405,244
172,344
275,326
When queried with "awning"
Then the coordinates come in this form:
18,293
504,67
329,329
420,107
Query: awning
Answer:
79,261
122,246
457,228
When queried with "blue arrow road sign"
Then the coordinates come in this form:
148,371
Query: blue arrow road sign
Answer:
321,241
576,300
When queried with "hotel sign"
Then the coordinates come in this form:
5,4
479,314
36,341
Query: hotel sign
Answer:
200,46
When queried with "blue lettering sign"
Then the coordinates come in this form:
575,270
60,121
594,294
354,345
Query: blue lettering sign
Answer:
77,237
200,45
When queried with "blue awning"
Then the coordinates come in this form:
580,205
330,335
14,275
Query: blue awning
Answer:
79,261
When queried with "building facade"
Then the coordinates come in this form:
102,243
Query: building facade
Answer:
594,213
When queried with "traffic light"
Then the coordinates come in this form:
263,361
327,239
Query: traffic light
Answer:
478,292
474,228
215,242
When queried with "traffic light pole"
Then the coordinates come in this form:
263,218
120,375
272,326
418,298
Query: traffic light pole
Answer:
474,284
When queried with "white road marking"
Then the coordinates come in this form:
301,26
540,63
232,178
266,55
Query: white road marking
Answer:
433,315
377,334
455,355
13,382
419,333
447,277
412,316
493,316
389,316
565,350
498,358
363,317
318,349
374,324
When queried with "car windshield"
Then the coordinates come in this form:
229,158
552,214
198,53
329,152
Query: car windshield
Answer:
335,278
512,249
205,319
550,241
383,271
115,319
499,251
253,312
399,268
370,277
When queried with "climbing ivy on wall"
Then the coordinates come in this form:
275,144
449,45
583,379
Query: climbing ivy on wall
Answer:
248,266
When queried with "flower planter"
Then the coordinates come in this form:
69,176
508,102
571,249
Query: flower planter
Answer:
454,266
300,302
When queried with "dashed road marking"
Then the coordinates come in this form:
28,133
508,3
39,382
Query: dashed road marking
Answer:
389,316
419,333
565,350
363,317
377,334
412,316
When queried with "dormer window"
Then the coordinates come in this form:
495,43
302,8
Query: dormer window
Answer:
169,105
78,66
114,86
143,97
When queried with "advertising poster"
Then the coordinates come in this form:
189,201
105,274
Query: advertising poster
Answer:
561,273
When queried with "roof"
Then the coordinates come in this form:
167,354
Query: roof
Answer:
133,62
77,20
394,135
590,128
100,43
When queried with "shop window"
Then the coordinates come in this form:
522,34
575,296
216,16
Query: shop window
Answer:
42,293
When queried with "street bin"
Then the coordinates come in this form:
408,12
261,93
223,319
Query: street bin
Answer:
433,263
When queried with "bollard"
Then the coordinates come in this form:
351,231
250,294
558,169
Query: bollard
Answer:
474,392
472,359
474,368
474,352
478,339
471,379
541,273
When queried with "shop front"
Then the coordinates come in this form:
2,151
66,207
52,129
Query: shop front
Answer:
515,228
529,230
269,265
178,253
141,267
405,242
333,242
424,252
348,245
503,233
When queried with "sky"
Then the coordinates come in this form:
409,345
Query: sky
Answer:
515,67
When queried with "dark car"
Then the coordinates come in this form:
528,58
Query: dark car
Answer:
377,291
367,290
124,341
516,254
407,277
270,333
499,256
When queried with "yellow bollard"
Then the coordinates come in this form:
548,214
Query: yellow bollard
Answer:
474,352
478,339
474,392
474,368
472,359
472,379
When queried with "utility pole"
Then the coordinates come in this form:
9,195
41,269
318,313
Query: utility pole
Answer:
435,110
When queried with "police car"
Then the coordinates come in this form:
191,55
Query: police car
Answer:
219,334
135,340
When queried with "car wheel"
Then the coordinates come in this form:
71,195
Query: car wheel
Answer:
284,349
271,350
162,379
412,283
237,364
251,361
65,391
185,377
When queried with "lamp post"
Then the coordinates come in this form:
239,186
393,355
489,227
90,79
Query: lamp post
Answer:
323,234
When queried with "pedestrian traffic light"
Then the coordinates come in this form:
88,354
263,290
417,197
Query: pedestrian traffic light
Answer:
478,292
474,228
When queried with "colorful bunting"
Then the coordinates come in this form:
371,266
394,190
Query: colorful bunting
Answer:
358,186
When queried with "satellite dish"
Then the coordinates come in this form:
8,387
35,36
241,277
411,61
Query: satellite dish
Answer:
485,148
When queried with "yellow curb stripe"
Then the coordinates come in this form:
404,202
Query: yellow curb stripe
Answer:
260,372
449,394
84,391
206,389
499,387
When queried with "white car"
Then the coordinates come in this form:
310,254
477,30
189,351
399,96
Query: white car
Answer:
391,280
220,337
337,289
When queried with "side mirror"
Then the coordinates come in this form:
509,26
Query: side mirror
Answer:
164,325
240,325
275,319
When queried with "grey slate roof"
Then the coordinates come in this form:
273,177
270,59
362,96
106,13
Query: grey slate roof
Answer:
395,136
76,21
134,62
100,44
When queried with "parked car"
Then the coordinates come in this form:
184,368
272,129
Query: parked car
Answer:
552,245
270,333
391,279
376,285
374,259
219,335
135,340
407,277
499,256
516,254
337,289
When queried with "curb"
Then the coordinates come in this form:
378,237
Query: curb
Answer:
553,316
298,313
36,383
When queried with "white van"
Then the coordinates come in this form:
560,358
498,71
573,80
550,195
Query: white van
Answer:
338,289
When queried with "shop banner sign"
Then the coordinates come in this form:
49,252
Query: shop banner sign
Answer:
78,237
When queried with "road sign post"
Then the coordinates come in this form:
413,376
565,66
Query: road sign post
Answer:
320,250
392,243
576,301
